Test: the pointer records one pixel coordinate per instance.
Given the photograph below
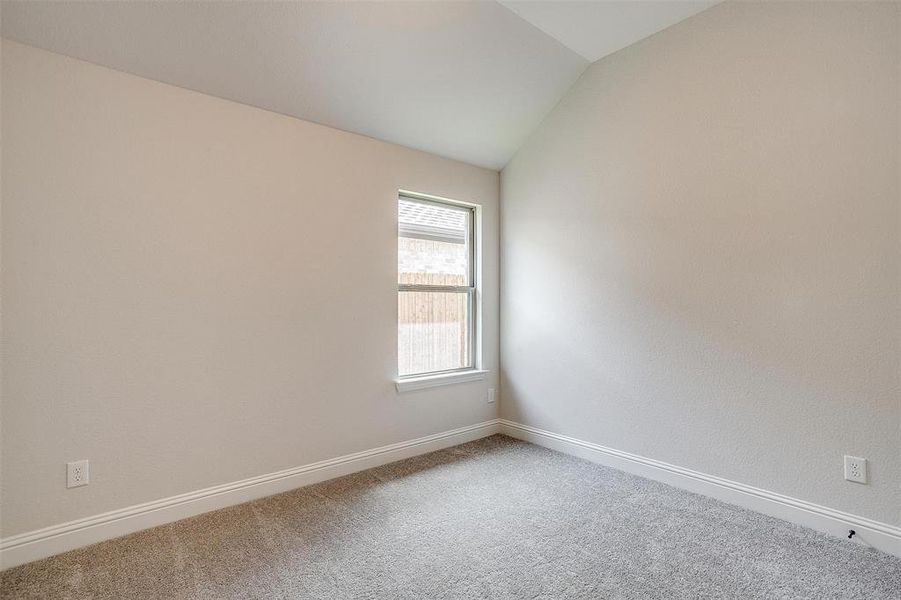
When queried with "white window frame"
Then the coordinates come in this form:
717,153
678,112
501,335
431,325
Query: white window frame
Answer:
473,372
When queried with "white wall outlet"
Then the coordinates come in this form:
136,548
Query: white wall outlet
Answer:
491,396
77,474
856,469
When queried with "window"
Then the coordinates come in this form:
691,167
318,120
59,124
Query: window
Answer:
436,291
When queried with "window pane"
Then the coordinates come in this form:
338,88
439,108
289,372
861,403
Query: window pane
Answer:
433,244
432,332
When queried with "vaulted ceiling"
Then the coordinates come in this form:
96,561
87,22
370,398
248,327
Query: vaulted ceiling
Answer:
465,80
594,29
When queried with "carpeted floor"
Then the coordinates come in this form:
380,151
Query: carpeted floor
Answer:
496,518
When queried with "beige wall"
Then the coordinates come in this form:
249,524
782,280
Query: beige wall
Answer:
701,253
181,303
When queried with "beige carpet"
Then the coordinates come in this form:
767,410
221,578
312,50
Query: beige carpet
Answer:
495,518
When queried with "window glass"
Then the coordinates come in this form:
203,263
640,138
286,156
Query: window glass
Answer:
436,295
433,244
433,332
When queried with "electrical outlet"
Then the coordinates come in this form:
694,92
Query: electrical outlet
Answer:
856,469
77,474
491,396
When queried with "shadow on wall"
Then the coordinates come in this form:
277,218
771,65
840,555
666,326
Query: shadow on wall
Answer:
706,334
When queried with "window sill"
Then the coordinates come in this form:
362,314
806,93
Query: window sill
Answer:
409,384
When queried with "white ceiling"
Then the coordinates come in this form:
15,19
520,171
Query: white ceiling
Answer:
595,29
465,80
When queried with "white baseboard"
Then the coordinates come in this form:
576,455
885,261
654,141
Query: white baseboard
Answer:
882,536
41,543
33,545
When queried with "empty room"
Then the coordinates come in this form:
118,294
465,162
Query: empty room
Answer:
450,300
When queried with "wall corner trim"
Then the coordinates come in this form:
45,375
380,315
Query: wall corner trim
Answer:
41,543
881,536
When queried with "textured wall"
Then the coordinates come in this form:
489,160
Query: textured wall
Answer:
701,253
182,305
